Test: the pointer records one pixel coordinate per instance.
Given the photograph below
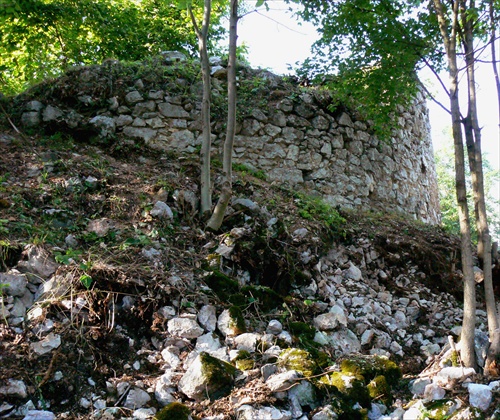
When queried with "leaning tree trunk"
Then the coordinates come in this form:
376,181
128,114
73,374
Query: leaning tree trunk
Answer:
473,141
202,35
469,318
217,218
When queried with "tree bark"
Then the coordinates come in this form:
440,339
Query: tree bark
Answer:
206,144
217,218
469,318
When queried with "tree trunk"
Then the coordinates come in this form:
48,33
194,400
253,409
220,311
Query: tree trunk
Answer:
202,35
469,318
217,218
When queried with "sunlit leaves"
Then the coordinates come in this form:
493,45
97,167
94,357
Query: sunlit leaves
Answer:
40,38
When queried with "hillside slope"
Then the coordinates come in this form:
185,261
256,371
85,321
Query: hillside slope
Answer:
116,302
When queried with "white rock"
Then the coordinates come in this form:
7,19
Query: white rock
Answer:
50,342
353,273
208,342
165,387
14,284
136,398
480,396
326,413
167,312
286,336
418,386
184,327
302,395
162,211
207,317
39,415
446,375
144,413
226,324
85,403
344,341
331,319
367,337
14,388
247,341
434,392
267,370
376,411
282,381
99,404
414,412
247,412
171,356
274,327
194,383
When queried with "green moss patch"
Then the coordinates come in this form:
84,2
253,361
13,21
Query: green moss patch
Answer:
379,389
219,375
297,359
173,410
371,366
351,387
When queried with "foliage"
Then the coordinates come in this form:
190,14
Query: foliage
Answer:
368,52
315,208
446,182
39,39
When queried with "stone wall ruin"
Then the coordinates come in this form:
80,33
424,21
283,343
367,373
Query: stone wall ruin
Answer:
294,139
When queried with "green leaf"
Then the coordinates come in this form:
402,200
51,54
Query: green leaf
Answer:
86,280
259,3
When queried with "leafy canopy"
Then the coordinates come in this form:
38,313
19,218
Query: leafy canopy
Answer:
41,38
369,52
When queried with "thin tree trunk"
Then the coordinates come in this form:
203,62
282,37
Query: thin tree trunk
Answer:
473,140
469,318
202,35
217,218
494,58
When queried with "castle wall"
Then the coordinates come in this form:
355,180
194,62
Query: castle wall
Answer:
294,141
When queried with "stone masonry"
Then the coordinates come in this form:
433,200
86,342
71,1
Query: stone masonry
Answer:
296,141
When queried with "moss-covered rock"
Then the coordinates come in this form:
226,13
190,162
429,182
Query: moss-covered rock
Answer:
223,286
446,409
218,374
379,389
244,360
237,322
174,411
207,377
298,360
372,366
351,386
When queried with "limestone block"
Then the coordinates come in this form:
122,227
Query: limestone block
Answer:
172,111
133,97
184,327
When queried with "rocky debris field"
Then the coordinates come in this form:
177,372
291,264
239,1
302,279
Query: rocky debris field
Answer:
116,303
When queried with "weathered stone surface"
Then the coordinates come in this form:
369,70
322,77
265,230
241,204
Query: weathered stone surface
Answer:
172,111
184,327
51,113
247,412
207,317
480,396
105,125
49,343
14,284
162,211
207,378
144,134
136,398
